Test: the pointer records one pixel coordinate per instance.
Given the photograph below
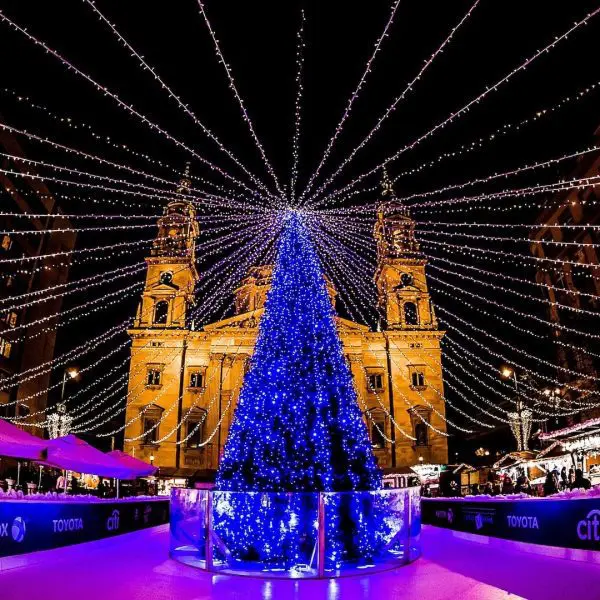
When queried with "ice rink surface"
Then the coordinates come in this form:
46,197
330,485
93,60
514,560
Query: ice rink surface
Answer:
135,566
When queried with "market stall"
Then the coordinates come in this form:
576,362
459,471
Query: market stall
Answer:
582,442
135,465
35,521
73,454
16,443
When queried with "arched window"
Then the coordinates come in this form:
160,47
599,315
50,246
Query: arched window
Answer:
378,433
421,434
194,431
161,310
411,316
151,418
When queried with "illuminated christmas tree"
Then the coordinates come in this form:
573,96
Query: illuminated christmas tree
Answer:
297,426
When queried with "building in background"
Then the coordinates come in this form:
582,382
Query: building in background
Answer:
574,283
23,347
181,376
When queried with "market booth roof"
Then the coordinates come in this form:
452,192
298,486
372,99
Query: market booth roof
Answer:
16,443
72,454
141,468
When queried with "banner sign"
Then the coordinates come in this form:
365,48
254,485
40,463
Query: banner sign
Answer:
561,523
28,526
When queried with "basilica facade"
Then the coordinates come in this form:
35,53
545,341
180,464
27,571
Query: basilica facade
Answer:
184,383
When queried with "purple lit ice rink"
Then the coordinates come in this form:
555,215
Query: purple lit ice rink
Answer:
135,566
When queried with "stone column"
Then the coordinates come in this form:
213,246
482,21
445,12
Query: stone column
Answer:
213,396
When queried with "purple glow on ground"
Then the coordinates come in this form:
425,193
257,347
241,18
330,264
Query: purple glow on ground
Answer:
135,566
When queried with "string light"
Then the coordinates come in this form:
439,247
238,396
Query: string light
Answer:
398,99
233,87
456,115
146,67
128,108
504,359
352,99
504,175
300,45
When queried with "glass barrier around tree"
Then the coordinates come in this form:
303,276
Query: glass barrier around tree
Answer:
295,535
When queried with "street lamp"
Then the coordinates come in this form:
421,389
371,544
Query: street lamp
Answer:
520,421
59,422
72,373
152,459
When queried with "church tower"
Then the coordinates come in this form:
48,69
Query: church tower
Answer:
412,380
171,275
160,332
403,297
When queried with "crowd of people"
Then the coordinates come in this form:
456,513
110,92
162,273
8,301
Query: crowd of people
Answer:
556,481
30,480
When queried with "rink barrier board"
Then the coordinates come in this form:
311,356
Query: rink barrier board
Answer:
29,526
566,523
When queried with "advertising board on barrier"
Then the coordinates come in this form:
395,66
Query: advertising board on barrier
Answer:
561,523
28,526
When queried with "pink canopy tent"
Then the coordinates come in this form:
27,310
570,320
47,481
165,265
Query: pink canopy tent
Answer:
16,443
72,454
143,469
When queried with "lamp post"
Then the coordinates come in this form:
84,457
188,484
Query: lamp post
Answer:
520,430
60,421
69,372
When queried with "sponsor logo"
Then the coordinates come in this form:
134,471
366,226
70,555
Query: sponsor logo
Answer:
18,529
480,519
112,523
587,529
136,514
522,522
62,525
3,530
447,515
147,513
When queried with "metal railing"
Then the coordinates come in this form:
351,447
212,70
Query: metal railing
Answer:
295,535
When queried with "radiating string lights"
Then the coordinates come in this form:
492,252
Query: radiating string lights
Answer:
491,314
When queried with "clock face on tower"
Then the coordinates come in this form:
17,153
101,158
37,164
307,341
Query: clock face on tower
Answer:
406,279
166,278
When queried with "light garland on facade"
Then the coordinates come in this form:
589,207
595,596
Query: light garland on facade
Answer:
352,277
259,246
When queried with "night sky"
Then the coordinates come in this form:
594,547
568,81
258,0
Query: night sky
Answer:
258,40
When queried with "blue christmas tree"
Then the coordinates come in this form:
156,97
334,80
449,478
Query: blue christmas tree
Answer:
297,425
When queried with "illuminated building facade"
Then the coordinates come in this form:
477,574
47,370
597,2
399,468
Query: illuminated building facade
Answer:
193,377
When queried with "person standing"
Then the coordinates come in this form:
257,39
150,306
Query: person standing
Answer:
61,483
580,481
508,487
564,480
551,484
